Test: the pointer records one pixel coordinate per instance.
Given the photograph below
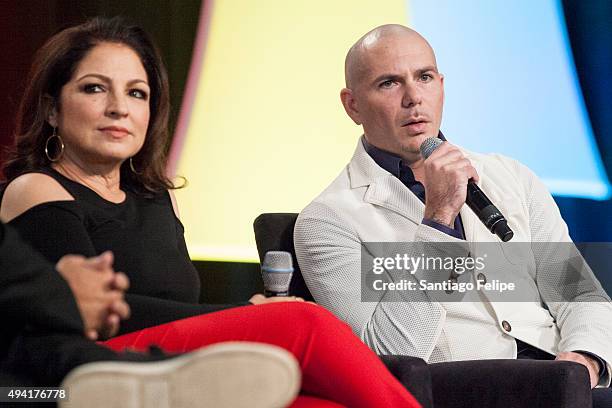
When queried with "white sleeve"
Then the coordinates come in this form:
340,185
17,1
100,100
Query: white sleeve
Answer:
329,253
585,323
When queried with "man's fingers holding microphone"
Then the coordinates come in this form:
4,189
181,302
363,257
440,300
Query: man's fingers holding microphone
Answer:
448,158
446,174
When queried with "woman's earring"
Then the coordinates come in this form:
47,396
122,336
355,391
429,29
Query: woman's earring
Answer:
60,144
132,167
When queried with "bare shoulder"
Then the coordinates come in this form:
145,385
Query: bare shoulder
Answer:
174,204
29,190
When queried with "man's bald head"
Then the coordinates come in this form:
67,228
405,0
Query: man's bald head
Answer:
394,90
356,61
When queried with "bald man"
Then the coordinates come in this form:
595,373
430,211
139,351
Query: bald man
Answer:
390,193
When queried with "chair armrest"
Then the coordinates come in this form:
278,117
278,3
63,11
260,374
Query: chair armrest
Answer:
510,383
414,375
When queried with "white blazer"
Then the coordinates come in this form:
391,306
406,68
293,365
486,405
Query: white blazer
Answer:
365,203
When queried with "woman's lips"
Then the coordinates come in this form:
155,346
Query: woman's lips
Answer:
115,132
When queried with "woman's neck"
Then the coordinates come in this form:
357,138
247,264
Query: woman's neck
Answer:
103,179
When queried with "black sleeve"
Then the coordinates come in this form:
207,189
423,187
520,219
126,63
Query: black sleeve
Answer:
31,291
57,228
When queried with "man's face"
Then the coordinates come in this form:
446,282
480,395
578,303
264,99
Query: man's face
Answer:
398,94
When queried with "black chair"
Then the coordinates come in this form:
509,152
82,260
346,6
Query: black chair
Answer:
274,232
460,384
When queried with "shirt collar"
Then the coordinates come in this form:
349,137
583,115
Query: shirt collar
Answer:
389,161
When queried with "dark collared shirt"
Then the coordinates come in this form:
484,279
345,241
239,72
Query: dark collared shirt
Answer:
396,166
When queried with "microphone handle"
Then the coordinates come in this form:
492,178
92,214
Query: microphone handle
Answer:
490,216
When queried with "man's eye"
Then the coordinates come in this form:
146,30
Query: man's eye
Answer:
93,88
138,93
387,84
426,77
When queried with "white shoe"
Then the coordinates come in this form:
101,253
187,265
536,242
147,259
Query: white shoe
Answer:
233,375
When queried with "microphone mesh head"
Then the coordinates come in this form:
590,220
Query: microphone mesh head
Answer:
276,271
429,145
277,260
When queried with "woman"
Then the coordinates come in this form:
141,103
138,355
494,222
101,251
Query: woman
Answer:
87,175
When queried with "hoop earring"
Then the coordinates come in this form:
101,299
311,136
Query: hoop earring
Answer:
138,173
60,143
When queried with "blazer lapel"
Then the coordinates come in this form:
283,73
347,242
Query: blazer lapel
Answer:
383,189
391,194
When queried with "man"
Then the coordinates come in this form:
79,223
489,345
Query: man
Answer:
48,315
390,193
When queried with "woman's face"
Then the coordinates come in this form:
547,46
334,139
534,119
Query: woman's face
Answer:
103,111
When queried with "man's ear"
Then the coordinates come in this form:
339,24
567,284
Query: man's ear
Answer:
51,108
350,105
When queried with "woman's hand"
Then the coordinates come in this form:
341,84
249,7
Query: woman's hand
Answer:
98,290
260,299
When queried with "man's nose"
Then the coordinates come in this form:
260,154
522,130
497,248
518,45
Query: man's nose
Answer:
117,105
412,95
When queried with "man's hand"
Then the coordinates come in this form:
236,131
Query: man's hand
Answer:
98,291
260,299
446,174
591,364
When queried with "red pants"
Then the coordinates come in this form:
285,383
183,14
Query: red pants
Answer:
336,365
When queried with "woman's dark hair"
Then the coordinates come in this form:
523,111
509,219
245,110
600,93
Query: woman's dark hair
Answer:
54,65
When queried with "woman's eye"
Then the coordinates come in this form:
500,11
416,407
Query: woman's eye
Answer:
138,93
93,88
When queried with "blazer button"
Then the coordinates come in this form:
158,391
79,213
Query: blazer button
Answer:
506,326
482,278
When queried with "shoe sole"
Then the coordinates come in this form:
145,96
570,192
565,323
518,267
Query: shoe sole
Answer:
232,375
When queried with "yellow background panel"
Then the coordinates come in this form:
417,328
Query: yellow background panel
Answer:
267,131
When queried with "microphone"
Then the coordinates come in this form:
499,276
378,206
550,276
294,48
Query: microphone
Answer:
276,272
490,216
